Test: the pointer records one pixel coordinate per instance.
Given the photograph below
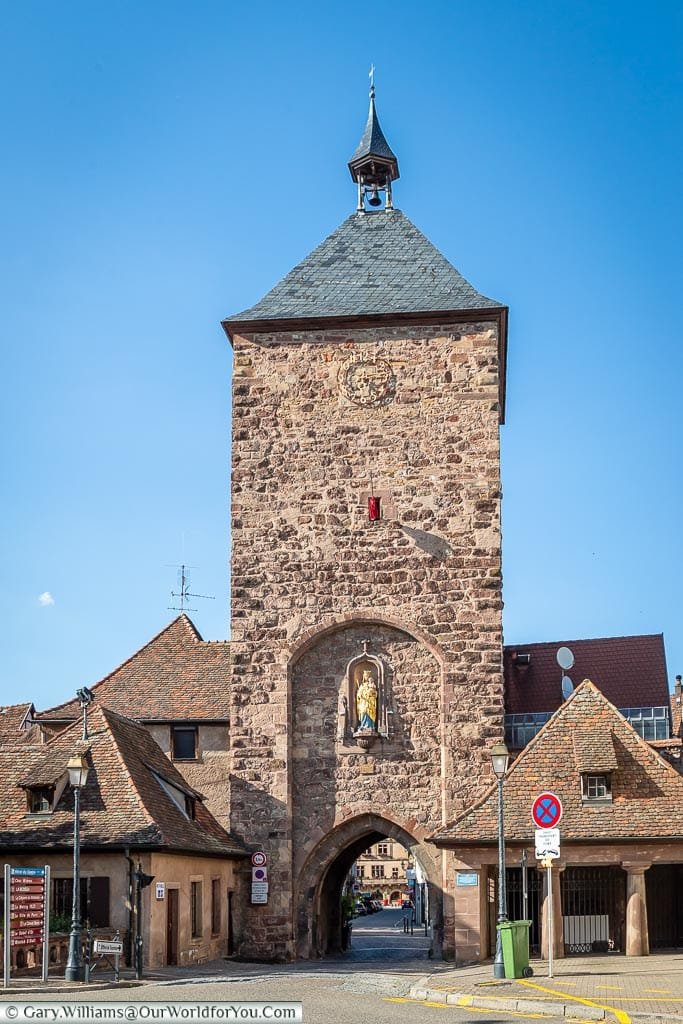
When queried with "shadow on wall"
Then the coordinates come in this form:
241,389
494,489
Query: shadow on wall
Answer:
430,543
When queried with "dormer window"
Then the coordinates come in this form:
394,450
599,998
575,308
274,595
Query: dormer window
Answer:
40,799
596,788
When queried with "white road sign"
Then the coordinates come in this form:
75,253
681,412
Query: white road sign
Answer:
101,946
547,843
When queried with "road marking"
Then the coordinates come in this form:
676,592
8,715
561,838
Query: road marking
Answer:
662,991
462,1004
610,988
621,1015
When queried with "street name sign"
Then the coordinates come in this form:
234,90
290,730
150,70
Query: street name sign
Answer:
108,946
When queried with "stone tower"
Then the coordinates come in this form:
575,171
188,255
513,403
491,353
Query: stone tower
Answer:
366,561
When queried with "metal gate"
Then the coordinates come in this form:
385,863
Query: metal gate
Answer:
664,890
593,910
515,902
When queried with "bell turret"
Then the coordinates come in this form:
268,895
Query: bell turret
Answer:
373,166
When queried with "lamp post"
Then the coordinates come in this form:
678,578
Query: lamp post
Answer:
78,774
500,758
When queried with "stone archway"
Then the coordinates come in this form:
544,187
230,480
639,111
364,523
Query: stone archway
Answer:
318,888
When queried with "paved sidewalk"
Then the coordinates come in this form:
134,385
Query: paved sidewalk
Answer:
611,988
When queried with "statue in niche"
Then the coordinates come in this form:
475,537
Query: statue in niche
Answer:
366,701
363,713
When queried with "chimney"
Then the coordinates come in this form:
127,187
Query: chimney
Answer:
677,688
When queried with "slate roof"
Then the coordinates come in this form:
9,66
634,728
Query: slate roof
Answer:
374,263
629,670
647,792
176,676
123,802
373,142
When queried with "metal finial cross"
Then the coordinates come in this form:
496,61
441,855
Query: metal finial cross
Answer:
371,76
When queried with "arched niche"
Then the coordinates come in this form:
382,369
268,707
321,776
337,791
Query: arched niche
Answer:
364,704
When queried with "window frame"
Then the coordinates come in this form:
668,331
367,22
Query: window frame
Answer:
602,789
48,796
215,906
196,909
176,730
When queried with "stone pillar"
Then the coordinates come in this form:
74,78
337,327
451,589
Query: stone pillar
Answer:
558,923
637,938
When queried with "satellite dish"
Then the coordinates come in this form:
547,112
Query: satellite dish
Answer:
567,687
565,658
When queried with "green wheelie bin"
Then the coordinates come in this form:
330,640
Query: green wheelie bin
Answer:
515,941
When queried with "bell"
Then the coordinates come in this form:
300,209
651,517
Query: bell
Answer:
374,199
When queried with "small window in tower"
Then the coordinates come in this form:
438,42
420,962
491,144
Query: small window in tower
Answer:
184,743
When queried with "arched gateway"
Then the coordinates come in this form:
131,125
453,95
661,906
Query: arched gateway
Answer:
366,677
319,922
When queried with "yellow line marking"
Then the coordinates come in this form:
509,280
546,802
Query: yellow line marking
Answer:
463,1002
648,999
621,1015
663,991
609,988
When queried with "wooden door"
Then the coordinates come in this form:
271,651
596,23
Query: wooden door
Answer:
171,927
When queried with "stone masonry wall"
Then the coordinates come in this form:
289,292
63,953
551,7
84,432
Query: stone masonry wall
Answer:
401,774
305,458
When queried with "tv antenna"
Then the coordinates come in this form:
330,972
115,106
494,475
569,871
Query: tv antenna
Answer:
183,594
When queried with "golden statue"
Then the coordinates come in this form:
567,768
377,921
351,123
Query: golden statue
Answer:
366,701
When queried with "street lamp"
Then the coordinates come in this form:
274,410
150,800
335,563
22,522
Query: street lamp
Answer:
78,774
500,758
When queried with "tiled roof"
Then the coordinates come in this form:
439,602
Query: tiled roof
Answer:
373,263
12,719
594,749
123,802
629,670
176,676
647,792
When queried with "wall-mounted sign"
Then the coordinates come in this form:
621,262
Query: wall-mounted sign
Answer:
466,878
161,890
259,859
259,892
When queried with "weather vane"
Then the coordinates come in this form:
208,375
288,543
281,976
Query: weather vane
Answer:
371,76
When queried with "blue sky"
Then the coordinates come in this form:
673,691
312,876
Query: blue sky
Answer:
165,163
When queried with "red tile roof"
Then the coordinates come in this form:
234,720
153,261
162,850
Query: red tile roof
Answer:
629,670
123,802
13,718
647,792
176,676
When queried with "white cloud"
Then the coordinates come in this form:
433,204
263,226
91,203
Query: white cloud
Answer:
46,599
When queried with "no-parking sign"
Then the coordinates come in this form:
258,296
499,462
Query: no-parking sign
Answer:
546,810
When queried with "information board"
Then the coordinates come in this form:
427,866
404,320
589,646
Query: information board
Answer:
26,912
